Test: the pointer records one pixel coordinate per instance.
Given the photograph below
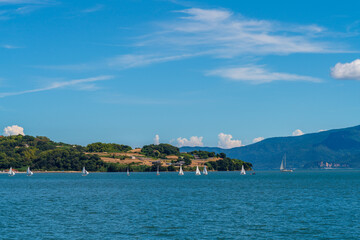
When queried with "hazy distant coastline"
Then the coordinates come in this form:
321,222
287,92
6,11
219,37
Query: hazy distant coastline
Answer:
337,148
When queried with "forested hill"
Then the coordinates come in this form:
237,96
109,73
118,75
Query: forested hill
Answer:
339,148
41,153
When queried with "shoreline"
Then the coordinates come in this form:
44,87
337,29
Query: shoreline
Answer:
79,172
264,170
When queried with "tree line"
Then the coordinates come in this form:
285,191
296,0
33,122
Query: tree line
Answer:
228,164
106,147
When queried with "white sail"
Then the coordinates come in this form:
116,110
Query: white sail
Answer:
282,164
197,171
158,172
243,172
29,172
84,172
205,172
181,172
11,172
128,172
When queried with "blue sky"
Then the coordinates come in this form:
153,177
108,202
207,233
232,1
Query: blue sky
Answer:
211,73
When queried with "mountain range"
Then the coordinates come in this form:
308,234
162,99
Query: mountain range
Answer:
338,148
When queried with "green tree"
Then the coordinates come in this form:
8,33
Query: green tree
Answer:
161,150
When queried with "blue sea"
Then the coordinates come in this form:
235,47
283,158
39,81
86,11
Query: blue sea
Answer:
222,205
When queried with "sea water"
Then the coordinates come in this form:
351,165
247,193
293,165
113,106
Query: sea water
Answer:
222,205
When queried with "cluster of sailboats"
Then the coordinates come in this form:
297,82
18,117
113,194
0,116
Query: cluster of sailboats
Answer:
197,172
205,172
11,172
84,172
29,173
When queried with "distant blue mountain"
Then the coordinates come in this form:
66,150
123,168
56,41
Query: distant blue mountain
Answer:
339,147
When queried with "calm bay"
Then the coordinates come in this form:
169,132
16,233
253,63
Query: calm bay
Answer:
223,205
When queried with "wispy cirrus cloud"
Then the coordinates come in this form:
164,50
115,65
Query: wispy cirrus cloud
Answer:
95,8
223,33
13,8
134,60
120,62
9,46
258,75
15,2
220,33
81,84
27,2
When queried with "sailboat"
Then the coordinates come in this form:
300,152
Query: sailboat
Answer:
197,171
11,172
128,172
283,165
205,172
181,172
243,172
29,172
158,172
84,172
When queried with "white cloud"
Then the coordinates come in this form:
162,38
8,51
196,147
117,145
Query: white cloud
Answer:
222,33
192,142
347,71
258,139
133,60
95,8
157,139
22,2
257,74
8,46
13,130
80,83
226,141
21,7
297,132
206,15
121,62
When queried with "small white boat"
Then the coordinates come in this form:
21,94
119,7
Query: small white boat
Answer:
29,172
243,172
84,172
283,165
157,171
128,172
205,172
181,172
197,171
11,172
